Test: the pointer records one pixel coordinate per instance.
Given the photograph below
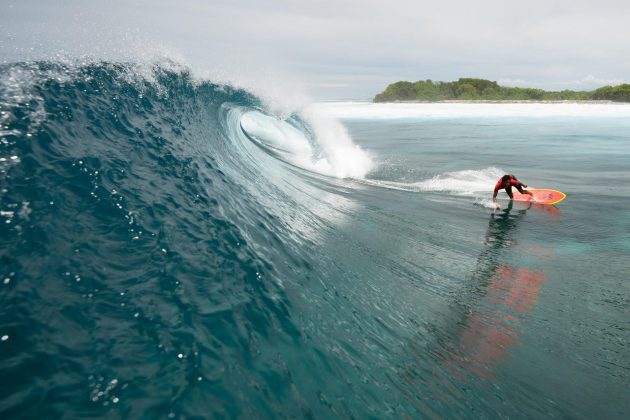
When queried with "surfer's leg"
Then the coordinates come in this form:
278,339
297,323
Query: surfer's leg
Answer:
508,190
523,191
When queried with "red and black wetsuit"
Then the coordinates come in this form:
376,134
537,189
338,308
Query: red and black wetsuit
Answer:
513,183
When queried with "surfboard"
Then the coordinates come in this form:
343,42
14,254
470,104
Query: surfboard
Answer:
542,196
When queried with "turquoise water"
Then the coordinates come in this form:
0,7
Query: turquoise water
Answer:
171,247
520,312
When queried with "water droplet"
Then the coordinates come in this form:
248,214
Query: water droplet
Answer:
180,355
7,280
115,400
5,337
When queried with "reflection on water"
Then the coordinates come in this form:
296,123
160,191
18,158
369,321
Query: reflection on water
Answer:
491,330
484,324
503,293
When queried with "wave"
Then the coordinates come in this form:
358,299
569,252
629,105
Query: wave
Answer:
326,148
130,195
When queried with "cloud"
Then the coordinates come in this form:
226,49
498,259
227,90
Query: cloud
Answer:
513,83
591,81
344,47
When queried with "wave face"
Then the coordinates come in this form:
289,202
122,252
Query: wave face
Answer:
146,240
171,247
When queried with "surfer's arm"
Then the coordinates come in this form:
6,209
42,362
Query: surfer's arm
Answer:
494,198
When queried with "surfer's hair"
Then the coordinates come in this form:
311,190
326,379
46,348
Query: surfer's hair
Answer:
505,178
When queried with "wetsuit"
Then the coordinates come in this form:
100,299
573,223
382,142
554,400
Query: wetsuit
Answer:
513,183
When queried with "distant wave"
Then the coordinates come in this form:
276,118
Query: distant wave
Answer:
368,110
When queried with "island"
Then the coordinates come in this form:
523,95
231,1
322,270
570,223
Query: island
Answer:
470,89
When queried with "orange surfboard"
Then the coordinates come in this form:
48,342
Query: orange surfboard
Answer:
541,196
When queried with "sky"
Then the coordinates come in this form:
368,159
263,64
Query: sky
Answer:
341,49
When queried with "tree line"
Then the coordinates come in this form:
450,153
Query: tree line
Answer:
481,89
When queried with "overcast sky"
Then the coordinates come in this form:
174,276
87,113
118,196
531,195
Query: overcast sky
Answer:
340,49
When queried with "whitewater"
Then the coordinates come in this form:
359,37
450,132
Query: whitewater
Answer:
181,247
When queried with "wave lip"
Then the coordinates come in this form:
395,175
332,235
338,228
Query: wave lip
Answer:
275,134
313,143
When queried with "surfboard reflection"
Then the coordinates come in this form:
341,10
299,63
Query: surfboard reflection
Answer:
485,322
501,294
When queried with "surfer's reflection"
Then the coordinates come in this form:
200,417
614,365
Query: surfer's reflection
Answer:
484,322
500,294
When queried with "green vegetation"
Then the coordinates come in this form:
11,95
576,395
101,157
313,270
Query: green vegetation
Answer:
486,90
620,93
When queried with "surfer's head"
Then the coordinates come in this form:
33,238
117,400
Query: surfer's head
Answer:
505,179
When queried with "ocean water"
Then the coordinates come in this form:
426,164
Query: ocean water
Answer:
174,248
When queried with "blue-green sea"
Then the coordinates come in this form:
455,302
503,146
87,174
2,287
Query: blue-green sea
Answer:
173,247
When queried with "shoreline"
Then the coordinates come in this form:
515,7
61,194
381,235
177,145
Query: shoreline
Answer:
489,101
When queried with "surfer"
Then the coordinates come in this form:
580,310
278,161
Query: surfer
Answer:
507,182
